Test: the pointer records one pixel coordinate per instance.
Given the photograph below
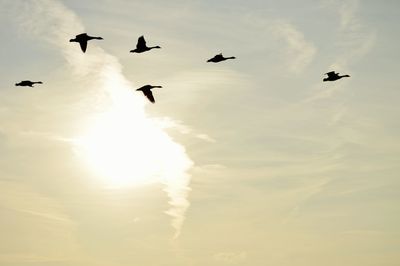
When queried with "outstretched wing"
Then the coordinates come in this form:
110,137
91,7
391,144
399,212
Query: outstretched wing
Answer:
149,95
82,35
141,43
331,74
83,44
219,56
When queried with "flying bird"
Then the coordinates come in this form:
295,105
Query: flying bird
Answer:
146,89
142,47
332,76
83,39
219,58
28,83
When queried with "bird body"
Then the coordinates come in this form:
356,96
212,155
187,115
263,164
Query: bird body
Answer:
83,39
332,76
28,83
219,58
142,47
146,89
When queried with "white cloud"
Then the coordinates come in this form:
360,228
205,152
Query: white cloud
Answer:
206,137
53,22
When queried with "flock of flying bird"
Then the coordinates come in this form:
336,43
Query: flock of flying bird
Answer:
141,47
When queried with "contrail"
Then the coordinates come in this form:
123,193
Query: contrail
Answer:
52,21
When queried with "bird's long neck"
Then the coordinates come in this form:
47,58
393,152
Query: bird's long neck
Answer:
37,82
95,38
344,76
158,47
157,86
231,57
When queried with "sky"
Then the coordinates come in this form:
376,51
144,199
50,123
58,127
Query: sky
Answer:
253,161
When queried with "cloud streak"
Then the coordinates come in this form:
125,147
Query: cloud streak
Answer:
53,22
299,51
354,42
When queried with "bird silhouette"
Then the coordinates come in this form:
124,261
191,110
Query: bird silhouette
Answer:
142,47
146,89
28,83
83,39
332,76
219,58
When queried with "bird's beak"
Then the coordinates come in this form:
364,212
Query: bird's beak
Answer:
71,40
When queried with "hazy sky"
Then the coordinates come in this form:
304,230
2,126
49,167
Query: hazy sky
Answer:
253,161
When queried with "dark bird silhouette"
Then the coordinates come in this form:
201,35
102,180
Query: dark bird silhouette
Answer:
142,47
28,83
146,89
332,76
219,58
83,39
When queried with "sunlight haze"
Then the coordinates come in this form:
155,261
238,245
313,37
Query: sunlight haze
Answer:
249,161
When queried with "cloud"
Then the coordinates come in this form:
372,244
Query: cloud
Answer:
47,225
167,123
355,40
299,52
101,72
205,137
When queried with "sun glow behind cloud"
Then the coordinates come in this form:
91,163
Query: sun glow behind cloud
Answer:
126,148
119,142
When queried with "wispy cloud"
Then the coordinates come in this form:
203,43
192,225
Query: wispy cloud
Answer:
167,122
42,215
354,41
299,51
53,22
295,51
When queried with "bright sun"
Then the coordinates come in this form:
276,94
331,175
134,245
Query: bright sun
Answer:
126,148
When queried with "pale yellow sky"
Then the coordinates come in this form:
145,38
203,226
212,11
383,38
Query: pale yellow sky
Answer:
253,161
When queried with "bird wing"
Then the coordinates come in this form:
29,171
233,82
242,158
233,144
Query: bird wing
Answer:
141,43
24,83
149,95
81,35
331,74
83,45
145,87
